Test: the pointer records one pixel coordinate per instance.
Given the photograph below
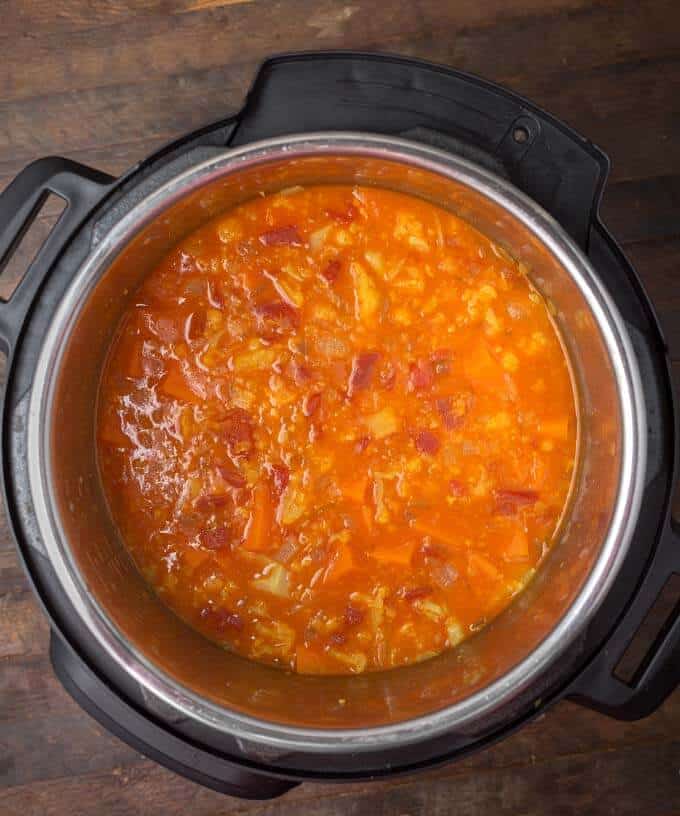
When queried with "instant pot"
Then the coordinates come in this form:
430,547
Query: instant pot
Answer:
521,177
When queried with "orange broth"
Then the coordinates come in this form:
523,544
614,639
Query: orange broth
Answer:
337,429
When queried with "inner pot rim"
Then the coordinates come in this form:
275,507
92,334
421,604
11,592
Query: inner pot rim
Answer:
615,544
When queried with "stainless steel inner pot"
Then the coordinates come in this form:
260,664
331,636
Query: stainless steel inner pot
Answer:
270,707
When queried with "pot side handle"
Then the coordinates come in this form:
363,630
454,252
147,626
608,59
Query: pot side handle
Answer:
152,739
80,187
658,675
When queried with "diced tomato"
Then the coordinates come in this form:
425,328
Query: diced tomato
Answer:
426,442
331,271
421,375
441,359
231,476
450,420
362,443
457,488
361,376
345,216
206,504
281,236
238,432
388,376
510,502
414,593
214,539
299,372
275,318
280,477
353,615
311,404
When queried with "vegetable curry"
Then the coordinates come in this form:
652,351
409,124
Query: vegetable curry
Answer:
337,429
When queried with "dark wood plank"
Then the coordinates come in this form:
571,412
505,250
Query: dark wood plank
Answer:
137,100
214,32
658,263
643,209
571,784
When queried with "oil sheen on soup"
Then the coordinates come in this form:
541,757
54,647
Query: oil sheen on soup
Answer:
337,429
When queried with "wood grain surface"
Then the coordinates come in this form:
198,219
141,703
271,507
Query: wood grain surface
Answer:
108,82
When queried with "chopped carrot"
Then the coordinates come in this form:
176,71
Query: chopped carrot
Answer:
341,564
259,525
397,554
174,385
308,661
111,432
437,533
480,565
516,546
483,370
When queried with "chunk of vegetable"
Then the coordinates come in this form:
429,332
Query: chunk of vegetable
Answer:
395,554
275,580
363,367
355,661
276,318
482,370
383,423
426,442
421,375
292,505
510,502
367,298
237,428
258,527
176,386
254,359
215,539
454,632
281,236
341,563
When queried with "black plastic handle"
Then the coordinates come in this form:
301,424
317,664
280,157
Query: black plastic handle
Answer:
382,93
143,734
81,188
659,675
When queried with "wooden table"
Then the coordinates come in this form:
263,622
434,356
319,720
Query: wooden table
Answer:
106,83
